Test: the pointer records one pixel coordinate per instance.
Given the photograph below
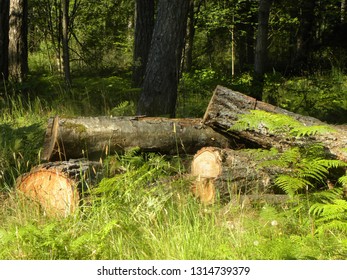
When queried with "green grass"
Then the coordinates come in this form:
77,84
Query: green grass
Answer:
148,211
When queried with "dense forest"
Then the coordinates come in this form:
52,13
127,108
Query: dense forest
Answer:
135,58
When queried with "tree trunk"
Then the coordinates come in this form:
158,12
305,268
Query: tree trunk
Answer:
65,41
227,173
190,37
4,25
304,38
18,41
144,24
57,187
159,94
261,49
95,137
227,106
343,11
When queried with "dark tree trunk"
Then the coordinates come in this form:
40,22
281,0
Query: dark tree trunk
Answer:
190,38
304,39
18,40
144,24
65,41
261,49
4,12
160,84
244,35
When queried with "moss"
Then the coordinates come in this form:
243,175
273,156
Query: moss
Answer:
79,128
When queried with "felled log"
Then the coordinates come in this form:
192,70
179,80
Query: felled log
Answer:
57,186
227,173
95,137
226,106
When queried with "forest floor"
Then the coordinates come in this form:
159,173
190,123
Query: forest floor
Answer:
124,218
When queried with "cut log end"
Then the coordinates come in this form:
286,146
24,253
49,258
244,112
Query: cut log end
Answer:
55,186
207,163
53,191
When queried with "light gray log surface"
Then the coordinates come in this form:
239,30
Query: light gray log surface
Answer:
95,137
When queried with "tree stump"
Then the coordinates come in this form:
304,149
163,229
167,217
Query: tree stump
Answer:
56,186
227,173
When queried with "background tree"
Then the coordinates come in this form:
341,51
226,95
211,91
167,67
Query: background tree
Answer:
18,41
144,23
305,35
159,93
4,12
260,61
65,41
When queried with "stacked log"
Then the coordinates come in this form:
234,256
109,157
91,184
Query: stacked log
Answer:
57,186
227,106
227,173
96,137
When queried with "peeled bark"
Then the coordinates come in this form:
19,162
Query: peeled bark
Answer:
96,137
226,107
227,173
57,187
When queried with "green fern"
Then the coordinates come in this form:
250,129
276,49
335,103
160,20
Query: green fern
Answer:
291,185
306,168
271,123
331,215
124,108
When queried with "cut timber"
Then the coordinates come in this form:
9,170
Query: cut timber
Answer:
95,137
56,186
226,107
229,173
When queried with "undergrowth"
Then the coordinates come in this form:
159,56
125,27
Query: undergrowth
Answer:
143,207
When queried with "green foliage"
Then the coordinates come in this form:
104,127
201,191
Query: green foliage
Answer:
308,169
272,123
320,95
330,213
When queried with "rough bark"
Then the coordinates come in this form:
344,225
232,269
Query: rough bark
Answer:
57,187
144,25
4,25
227,105
95,137
18,41
228,173
159,94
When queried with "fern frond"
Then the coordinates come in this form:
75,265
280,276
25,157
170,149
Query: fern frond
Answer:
302,131
330,216
262,120
333,225
277,123
329,210
343,180
291,184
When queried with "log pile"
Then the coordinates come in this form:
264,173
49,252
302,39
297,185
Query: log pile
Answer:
219,167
